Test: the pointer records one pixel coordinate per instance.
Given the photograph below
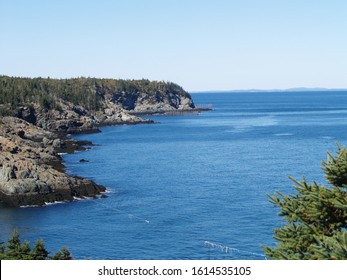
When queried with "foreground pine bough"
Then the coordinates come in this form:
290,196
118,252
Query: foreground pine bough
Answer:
316,216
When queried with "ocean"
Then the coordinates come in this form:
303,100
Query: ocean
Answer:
191,186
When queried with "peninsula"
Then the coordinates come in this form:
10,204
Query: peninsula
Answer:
37,115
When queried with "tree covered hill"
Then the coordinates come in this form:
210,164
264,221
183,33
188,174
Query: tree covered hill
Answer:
90,93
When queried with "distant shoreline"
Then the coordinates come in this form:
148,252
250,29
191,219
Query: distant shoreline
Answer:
289,90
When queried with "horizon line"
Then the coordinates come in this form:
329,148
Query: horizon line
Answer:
295,89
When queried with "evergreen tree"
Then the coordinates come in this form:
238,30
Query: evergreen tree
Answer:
2,250
39,251
316,216
25,251
14,250
62,254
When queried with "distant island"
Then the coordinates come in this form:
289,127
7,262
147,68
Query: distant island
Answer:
297,89
37,114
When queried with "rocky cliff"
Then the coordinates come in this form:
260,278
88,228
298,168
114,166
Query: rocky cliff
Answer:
82,104
73,119
155,102
37,114
30,168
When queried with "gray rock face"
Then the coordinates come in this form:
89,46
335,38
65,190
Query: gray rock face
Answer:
153,103
70,119
75,119
27,173
115,114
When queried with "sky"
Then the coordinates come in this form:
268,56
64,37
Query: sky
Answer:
201,45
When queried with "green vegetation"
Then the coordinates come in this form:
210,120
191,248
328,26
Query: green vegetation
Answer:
15,250
316,216
87,92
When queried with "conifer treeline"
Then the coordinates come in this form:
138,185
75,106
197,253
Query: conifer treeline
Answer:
14,249
87,92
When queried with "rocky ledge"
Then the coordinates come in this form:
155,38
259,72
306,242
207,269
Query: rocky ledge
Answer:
74,119
31,172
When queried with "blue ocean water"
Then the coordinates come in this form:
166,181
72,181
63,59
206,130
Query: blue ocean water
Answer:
186,182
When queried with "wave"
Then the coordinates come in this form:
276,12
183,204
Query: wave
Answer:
54,203
28,206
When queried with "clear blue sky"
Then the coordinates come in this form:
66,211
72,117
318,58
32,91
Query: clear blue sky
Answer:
201,45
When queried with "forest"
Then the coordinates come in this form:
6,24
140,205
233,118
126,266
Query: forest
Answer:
87,92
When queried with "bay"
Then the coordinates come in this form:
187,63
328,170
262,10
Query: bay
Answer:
191,186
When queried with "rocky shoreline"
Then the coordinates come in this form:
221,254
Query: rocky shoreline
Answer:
31,169
32,172
38,115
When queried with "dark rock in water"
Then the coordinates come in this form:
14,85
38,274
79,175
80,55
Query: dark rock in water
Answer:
84,143
84,160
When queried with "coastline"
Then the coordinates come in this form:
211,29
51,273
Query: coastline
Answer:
38,116
33,169
195,110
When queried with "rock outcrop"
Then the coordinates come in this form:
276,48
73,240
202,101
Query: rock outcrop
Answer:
75,119
157,102
30,168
